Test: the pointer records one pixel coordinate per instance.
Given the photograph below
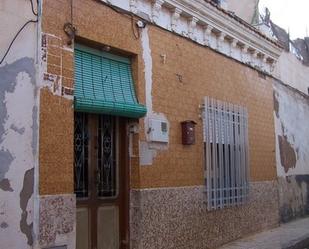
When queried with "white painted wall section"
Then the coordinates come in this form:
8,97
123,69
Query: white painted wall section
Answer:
292,72
291,121
18,124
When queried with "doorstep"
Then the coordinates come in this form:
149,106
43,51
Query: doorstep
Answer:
292,235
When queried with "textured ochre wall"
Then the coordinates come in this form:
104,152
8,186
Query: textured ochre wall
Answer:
56,144
203,73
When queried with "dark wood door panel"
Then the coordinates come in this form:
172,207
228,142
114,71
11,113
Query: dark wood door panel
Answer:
102,186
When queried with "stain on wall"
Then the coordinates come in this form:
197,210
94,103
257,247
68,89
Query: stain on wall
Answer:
276,105
287,153
7,84
293,197
17,155
4,225
5,160
5,185
9,74
25,195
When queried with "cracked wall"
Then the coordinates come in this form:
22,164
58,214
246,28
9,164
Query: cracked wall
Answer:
291,113
18,125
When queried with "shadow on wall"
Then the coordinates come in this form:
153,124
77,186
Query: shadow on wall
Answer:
294,197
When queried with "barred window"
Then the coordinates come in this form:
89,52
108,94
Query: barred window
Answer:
226,153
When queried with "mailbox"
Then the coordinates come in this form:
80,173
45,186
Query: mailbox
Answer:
188,132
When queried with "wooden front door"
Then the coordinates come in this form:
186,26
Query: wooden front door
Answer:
101,181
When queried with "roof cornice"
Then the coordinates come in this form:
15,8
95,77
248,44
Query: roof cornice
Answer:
209,25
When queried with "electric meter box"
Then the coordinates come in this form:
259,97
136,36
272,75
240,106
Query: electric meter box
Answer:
158,130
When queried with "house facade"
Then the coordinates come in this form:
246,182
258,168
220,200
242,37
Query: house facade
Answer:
146,124
291,113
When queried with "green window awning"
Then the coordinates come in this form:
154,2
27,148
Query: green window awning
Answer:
104,84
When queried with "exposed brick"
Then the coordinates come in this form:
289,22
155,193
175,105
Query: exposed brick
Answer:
53,69
53,60
53,41
53,50
67,60
68,82
68,73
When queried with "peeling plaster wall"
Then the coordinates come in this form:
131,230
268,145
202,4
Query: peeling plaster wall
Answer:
291,124
148,149
292,150
292,72
18,125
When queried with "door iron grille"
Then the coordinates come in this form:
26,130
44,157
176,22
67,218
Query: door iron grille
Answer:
81,153
107,171
104,145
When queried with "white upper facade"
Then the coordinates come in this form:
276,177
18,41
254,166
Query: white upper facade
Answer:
208,25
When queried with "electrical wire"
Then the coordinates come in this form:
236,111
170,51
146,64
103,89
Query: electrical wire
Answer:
133,28
32,8
72,12
20,30
127,14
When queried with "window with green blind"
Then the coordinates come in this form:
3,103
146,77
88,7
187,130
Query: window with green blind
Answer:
104,84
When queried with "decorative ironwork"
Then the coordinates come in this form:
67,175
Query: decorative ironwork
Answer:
81,155
107,185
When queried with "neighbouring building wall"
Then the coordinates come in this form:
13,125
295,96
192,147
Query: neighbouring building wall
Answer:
292,150
292,71
18,125
303,48
245,9
172,76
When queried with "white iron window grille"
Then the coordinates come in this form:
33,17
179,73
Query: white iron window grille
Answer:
226,153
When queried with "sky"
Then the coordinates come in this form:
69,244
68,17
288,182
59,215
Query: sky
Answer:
292,15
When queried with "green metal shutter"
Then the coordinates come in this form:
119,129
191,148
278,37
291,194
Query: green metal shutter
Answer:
103,84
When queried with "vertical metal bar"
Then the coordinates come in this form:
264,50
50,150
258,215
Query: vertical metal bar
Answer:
247,155
242,154
207,152
220,153
113,161
211,160
214,150
226,165
237,154
229,152
232,152
83,117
